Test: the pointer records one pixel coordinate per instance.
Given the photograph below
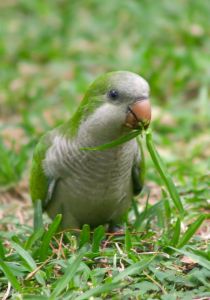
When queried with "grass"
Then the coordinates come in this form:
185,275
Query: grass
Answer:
49,53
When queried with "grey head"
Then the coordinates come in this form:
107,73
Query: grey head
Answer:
115,102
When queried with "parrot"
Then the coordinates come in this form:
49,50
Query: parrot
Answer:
93,187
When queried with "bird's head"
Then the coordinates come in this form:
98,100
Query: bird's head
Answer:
115,102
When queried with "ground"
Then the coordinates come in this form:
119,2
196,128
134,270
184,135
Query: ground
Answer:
50,51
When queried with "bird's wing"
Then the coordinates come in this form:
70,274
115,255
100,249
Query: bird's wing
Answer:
41,186
138,170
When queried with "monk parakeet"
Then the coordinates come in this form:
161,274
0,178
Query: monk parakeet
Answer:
93,187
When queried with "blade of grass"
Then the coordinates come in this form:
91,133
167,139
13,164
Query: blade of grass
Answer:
98,236
2,251
17,240
11,278
133,269
116,142
128,241
135,208
162,170
176,233
167,208
205,254
143,161
36,297
107,287
191,231
197,258
48,236
29,260
147,213
33,238
70,271
84,235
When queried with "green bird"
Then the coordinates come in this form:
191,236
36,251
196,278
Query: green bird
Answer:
93,187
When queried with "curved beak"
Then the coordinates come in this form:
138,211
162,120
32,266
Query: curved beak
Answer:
139,113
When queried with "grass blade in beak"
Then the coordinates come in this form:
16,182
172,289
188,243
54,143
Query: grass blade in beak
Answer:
162,170
115,143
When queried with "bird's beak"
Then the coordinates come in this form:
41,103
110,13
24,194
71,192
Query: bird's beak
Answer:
139,114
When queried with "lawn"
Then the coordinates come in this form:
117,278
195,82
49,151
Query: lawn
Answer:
50,51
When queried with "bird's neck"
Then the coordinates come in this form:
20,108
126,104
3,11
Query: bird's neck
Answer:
93,135
103,126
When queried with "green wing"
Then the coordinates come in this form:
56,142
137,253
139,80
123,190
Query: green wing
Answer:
41,186
39,182
138,170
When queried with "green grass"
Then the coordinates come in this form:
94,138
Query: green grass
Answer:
50,51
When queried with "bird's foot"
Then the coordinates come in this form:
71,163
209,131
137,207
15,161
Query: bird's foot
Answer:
116,229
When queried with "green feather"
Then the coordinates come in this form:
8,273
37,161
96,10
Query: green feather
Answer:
39,182
91,101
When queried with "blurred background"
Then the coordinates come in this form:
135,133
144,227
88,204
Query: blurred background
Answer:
51,50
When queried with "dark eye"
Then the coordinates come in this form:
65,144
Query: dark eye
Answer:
113,94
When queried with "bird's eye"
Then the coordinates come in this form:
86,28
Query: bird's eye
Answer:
113,94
